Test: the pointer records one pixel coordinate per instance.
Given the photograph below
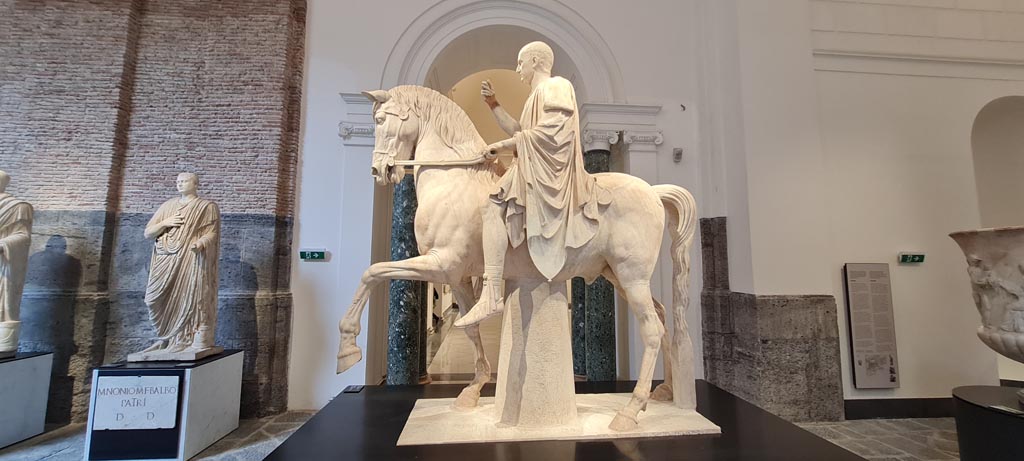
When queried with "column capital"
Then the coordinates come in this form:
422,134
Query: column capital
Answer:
356,134
642,140
357,127
599,139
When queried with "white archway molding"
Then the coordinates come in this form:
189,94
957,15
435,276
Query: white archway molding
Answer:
426,37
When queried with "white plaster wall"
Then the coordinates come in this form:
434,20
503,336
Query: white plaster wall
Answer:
347,45
901,177
997,141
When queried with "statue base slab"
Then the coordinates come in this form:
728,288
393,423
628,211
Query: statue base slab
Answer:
436,421
25,381
166,411
7,354
187,355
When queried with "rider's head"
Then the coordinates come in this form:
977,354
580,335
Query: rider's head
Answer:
534,57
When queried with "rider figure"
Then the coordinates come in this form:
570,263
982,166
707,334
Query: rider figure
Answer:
546,198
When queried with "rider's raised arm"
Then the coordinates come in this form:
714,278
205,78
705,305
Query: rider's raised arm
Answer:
507,123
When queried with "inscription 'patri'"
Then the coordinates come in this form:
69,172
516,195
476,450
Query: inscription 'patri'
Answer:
135,402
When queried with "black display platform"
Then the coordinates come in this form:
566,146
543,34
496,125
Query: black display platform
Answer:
366,426
23,356
986,433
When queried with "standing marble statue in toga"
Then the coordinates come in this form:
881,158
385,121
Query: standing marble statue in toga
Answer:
546,198
182,289
15,237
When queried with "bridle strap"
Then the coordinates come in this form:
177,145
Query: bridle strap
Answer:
460,162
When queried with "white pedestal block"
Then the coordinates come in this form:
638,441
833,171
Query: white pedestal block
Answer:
535,380
163,410
24,388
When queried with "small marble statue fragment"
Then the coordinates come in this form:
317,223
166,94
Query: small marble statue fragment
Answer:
15,237
182,289
995,265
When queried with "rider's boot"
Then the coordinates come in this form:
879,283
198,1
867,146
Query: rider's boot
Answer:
495,243
491,303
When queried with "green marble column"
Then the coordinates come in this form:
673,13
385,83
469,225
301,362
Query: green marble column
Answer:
579,326
599,304
405,301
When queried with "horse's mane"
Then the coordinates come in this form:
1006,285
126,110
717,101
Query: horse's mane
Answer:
450,122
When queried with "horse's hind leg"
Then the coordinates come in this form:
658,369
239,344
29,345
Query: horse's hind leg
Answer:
663,392
638,295
464,295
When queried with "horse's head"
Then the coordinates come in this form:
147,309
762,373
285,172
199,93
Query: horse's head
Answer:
397,128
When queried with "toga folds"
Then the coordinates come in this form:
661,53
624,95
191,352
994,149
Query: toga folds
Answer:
553,204
182,289
15,237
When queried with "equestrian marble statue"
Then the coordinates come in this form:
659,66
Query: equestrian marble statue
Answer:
15,238
182,289
546,219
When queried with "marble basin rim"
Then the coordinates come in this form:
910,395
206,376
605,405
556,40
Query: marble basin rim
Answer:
995,267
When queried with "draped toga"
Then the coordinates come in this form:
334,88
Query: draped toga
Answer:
182,289
553,204
15,237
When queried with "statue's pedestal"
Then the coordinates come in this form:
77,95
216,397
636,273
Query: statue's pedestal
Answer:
535,378
24,388
535,397
187,355
163,410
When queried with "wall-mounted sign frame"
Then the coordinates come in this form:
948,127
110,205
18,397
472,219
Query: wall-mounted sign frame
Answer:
872,330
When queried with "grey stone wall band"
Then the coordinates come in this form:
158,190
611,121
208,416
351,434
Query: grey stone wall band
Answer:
787,359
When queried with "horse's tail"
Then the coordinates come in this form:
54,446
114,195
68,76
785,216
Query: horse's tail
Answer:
681,214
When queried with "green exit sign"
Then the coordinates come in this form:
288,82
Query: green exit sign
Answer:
911,258
317,254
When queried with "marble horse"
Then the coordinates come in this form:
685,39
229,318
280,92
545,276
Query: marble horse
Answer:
420,128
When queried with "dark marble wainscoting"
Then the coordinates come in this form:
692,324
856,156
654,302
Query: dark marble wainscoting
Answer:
780,352
84,301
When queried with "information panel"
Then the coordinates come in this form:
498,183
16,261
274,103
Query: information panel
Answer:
135,402
872,329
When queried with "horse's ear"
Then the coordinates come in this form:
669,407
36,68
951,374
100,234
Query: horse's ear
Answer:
377,96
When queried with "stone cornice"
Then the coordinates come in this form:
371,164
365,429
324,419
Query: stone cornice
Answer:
356,129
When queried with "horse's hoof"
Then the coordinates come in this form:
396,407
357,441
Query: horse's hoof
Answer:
623,423
662,393
349,356
467,399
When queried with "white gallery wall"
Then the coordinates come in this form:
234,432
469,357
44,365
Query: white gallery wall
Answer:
900,85
817,155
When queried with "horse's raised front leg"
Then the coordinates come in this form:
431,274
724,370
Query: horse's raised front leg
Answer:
470,395
425,267
638,295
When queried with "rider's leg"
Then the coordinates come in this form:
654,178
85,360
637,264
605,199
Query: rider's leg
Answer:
495,240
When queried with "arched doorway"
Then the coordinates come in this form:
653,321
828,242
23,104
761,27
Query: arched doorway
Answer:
997,144
456,39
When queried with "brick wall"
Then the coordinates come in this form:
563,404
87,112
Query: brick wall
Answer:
103,102
61,98
208,98
969,29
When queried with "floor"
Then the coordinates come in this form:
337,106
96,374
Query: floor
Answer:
893,439
876,440
252,441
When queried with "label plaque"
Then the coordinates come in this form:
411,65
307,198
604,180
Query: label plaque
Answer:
135,402
872,329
